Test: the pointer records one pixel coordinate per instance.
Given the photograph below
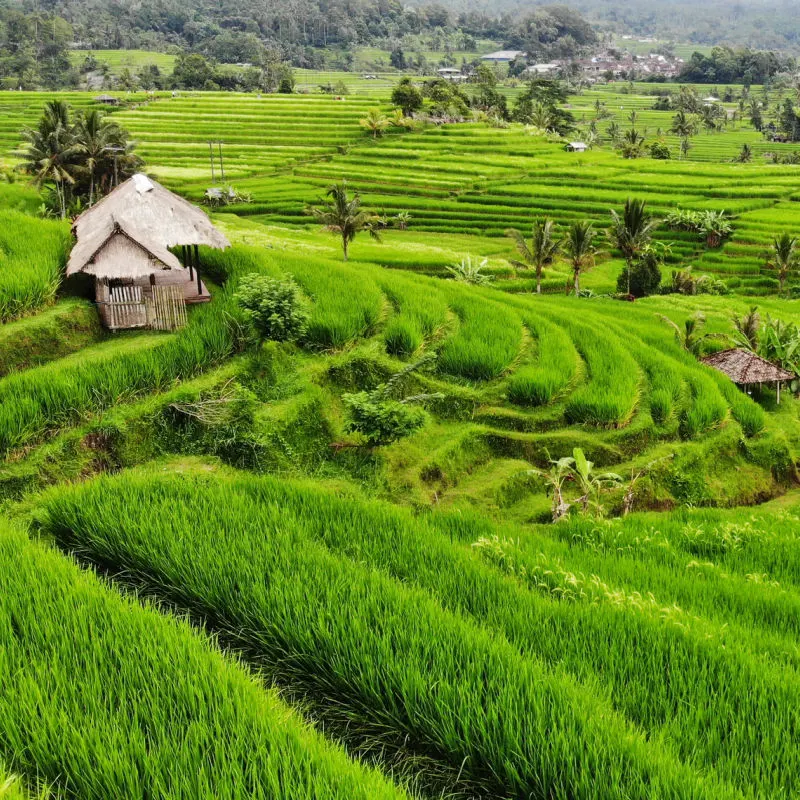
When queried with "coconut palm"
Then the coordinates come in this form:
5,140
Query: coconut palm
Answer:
683,125
50,151
542,249
94,136
376,122
579,248
785,257
342,214
690,337
747,329
745,154
631,232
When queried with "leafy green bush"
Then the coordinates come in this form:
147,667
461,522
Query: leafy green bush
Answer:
274,307
382,421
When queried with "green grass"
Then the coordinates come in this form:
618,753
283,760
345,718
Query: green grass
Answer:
29,277
385,653
108,699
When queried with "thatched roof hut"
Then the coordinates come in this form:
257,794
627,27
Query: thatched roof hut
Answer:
149,212
745,368
123,242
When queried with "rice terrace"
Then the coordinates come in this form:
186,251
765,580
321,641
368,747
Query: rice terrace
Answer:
399,402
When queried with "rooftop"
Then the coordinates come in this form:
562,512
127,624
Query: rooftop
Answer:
743,367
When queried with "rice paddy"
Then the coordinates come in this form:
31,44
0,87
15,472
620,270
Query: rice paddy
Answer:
213,585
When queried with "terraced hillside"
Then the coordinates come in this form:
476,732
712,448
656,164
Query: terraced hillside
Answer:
214,585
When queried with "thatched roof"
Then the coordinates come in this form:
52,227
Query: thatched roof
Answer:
119,254
742,367
148,213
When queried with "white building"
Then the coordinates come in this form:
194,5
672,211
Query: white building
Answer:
502,56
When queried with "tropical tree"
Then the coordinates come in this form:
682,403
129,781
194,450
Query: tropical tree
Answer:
632,144
342,214
541,252
690,337
714,227
686,146
560,471
745,154
631,232
784,258
579,249
50,152
591,483
683,125
94,138
747,329
376,122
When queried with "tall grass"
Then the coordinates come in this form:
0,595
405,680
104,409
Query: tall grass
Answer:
537,384
107,699
382,651
45,397
32,257
488,338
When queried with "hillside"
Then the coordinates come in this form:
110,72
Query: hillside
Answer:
215,585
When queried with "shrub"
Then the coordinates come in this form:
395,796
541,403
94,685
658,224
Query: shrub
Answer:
645,276
275,307
382,421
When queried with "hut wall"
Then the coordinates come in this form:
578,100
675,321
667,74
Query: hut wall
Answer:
121,259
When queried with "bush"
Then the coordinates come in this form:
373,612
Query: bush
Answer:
645,277
660,151
275,307
382,421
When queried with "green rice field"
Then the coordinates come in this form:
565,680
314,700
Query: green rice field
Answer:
215,584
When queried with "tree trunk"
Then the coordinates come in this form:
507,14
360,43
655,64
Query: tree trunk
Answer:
538,281
91,189
344,248
577,282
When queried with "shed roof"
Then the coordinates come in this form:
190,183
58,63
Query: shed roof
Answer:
149,213
742,367
92,254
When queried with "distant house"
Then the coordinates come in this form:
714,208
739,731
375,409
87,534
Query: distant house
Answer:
577,147
123,244
502,56
107,100
451,74
542,69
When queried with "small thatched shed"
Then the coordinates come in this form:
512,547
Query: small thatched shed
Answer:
745,368
123,242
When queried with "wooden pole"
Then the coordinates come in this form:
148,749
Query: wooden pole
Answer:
779,392
221,167
211,154
197,269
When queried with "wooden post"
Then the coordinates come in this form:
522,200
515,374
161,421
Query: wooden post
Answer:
197,269
779,393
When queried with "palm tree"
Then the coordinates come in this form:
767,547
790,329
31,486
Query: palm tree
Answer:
542,250
375,122
690,337
343,215
94,136
632,232
50,151
686,146
580,249
745,154
784,257
683,125
747,329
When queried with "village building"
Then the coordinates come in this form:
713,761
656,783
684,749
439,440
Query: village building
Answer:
543,70
503,56
747,369
107,100
452,74
123,243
